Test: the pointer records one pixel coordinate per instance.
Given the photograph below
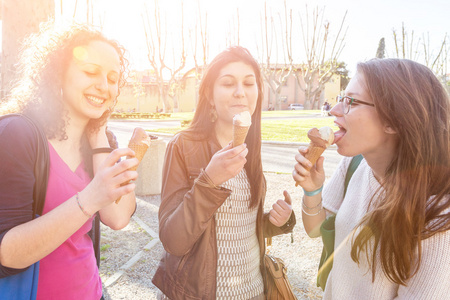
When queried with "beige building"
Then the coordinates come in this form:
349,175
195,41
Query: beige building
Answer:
332,89
144,95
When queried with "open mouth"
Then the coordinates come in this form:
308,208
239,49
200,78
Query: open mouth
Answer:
339,134
95,101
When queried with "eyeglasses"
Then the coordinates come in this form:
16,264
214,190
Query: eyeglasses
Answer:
347,103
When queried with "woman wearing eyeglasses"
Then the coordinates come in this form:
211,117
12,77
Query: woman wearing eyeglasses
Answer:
392,233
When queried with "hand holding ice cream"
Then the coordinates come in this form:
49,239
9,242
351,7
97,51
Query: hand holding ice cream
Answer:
321,139
139,143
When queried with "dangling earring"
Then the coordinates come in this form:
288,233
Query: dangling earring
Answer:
213,114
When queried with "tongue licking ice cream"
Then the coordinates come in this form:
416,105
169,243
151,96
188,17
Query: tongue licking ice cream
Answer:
321,139
241,124
139,143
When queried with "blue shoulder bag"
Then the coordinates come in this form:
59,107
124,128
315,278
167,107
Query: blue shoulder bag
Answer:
24,285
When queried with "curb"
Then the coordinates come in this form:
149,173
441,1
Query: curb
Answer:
277,143
155,239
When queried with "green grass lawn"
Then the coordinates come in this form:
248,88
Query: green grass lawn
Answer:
279,130
289,113
275,113
292,130
181,116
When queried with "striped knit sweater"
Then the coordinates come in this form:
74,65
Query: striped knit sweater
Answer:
347,280
238,272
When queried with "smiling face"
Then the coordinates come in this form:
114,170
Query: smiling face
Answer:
235,90
91,81
361,130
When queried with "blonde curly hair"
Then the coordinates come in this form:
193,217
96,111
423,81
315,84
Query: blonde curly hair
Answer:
43,61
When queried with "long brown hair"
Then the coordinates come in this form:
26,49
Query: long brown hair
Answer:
410,99
202,126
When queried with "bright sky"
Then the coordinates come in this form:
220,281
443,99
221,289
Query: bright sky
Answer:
367,22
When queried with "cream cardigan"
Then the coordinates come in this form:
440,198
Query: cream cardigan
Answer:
347,280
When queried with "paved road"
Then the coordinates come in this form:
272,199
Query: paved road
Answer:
281,158
134,252
276,157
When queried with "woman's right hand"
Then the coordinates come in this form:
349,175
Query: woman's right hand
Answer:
227,163
106,186
309,177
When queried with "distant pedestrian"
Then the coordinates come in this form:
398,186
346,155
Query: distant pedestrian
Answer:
325,108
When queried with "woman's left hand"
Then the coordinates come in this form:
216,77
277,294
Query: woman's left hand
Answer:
281,210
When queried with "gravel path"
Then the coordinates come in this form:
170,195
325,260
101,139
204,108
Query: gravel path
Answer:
130,256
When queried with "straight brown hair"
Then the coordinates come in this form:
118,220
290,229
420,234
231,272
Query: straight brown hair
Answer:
411,100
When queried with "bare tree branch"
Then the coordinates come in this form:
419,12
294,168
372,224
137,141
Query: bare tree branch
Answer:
410,50
274,74
321,64
156,36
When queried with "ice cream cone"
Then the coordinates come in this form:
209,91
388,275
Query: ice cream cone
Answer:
314,153
239,134
139,150
139,143
321,139
241,125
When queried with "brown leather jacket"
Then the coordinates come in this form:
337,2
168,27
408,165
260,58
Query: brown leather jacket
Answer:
186,222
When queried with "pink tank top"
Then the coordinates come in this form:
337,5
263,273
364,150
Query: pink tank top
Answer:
69,272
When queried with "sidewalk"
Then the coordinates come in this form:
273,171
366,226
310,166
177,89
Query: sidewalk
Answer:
131,256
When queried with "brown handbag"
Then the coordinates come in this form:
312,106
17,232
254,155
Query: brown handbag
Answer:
276,281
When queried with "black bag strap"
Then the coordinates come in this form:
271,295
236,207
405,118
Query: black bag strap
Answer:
94,234
41,166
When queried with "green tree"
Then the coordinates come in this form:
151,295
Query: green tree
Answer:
381,49
342,71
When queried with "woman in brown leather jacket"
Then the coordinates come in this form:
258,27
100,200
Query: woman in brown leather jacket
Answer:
211,219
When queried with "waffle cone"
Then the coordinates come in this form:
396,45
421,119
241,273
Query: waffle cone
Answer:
314,153
239,134
321,139
139,150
